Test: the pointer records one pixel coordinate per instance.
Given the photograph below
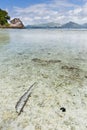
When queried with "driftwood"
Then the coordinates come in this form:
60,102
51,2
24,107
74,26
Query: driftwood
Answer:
23,100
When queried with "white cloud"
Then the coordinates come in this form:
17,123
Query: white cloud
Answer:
54,11
79,14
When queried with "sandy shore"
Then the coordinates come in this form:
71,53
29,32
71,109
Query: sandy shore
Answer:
67,89
58,63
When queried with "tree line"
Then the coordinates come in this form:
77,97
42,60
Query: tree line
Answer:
4,17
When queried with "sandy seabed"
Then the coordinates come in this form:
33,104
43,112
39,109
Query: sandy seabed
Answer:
61,83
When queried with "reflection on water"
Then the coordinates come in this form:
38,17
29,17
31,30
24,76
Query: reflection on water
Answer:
4,37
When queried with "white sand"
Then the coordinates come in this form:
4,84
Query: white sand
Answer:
61,84
42,111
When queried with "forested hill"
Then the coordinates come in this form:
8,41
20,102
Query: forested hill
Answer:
14,23
4,17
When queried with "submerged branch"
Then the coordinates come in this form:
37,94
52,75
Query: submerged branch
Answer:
23,100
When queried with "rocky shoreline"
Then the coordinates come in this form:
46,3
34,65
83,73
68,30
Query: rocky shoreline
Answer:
15,23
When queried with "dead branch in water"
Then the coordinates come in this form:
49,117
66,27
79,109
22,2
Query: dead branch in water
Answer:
23,100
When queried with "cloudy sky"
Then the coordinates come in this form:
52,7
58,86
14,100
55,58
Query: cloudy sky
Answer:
42,11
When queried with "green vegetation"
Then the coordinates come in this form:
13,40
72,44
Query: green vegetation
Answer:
4,17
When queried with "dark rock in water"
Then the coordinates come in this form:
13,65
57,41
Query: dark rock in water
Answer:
69,67
63,109
45,62
54,61
48,53
16,23
86,76
36,60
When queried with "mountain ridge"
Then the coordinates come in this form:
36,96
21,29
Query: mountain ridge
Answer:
68,25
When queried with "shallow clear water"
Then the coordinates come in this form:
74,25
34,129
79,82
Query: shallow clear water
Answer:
57,61
25,54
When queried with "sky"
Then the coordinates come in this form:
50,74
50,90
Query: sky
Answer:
44,11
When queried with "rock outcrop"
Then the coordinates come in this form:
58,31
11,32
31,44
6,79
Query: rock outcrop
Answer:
16,23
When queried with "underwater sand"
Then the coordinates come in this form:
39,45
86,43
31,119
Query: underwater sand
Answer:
57,61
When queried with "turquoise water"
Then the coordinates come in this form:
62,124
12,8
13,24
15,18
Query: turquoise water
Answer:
57,61
25,54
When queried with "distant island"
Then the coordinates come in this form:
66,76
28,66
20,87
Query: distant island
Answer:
69,25
14,23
